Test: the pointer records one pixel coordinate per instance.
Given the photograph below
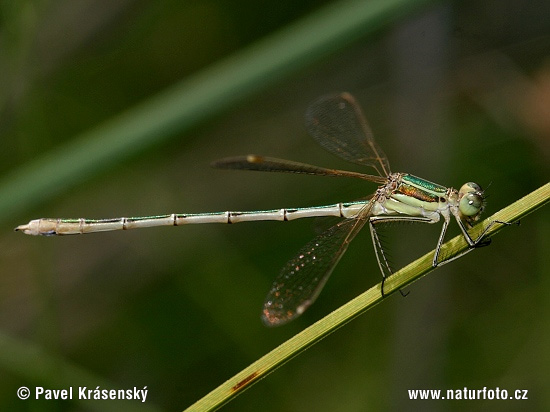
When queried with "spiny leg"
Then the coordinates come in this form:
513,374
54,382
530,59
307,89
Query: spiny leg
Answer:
380,256
383,264
480,241
471,243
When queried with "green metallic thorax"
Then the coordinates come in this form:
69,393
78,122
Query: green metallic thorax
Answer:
419,193
424,185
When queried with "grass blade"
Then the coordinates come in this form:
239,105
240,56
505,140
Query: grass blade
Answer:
197,98
314,333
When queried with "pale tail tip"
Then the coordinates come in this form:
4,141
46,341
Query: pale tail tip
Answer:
30,228
22,228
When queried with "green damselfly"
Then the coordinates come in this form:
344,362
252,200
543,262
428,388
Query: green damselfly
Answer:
337,124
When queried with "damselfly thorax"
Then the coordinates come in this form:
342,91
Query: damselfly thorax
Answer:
336,123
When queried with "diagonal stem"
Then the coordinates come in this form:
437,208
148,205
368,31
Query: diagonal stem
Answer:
357,306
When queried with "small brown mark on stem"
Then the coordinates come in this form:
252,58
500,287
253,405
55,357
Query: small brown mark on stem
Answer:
244,382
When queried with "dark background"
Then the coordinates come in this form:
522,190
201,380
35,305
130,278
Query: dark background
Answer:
455,92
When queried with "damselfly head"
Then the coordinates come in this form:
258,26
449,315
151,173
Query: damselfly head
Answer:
471,201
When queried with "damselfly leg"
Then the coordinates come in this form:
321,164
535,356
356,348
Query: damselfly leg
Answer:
338,125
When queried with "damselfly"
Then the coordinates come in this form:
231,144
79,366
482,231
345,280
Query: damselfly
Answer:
337,124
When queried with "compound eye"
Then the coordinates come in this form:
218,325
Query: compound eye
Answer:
470,187
470,204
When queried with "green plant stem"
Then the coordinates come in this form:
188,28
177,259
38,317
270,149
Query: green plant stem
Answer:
197,98
362,303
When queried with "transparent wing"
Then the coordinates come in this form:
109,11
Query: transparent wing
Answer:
337,123
302,278
271,164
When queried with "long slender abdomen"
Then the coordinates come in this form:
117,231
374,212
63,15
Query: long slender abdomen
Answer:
52,227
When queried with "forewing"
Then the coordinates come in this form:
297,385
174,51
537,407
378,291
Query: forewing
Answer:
271,164
337,123
302,278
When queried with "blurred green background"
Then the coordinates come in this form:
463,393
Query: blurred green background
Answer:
454,92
